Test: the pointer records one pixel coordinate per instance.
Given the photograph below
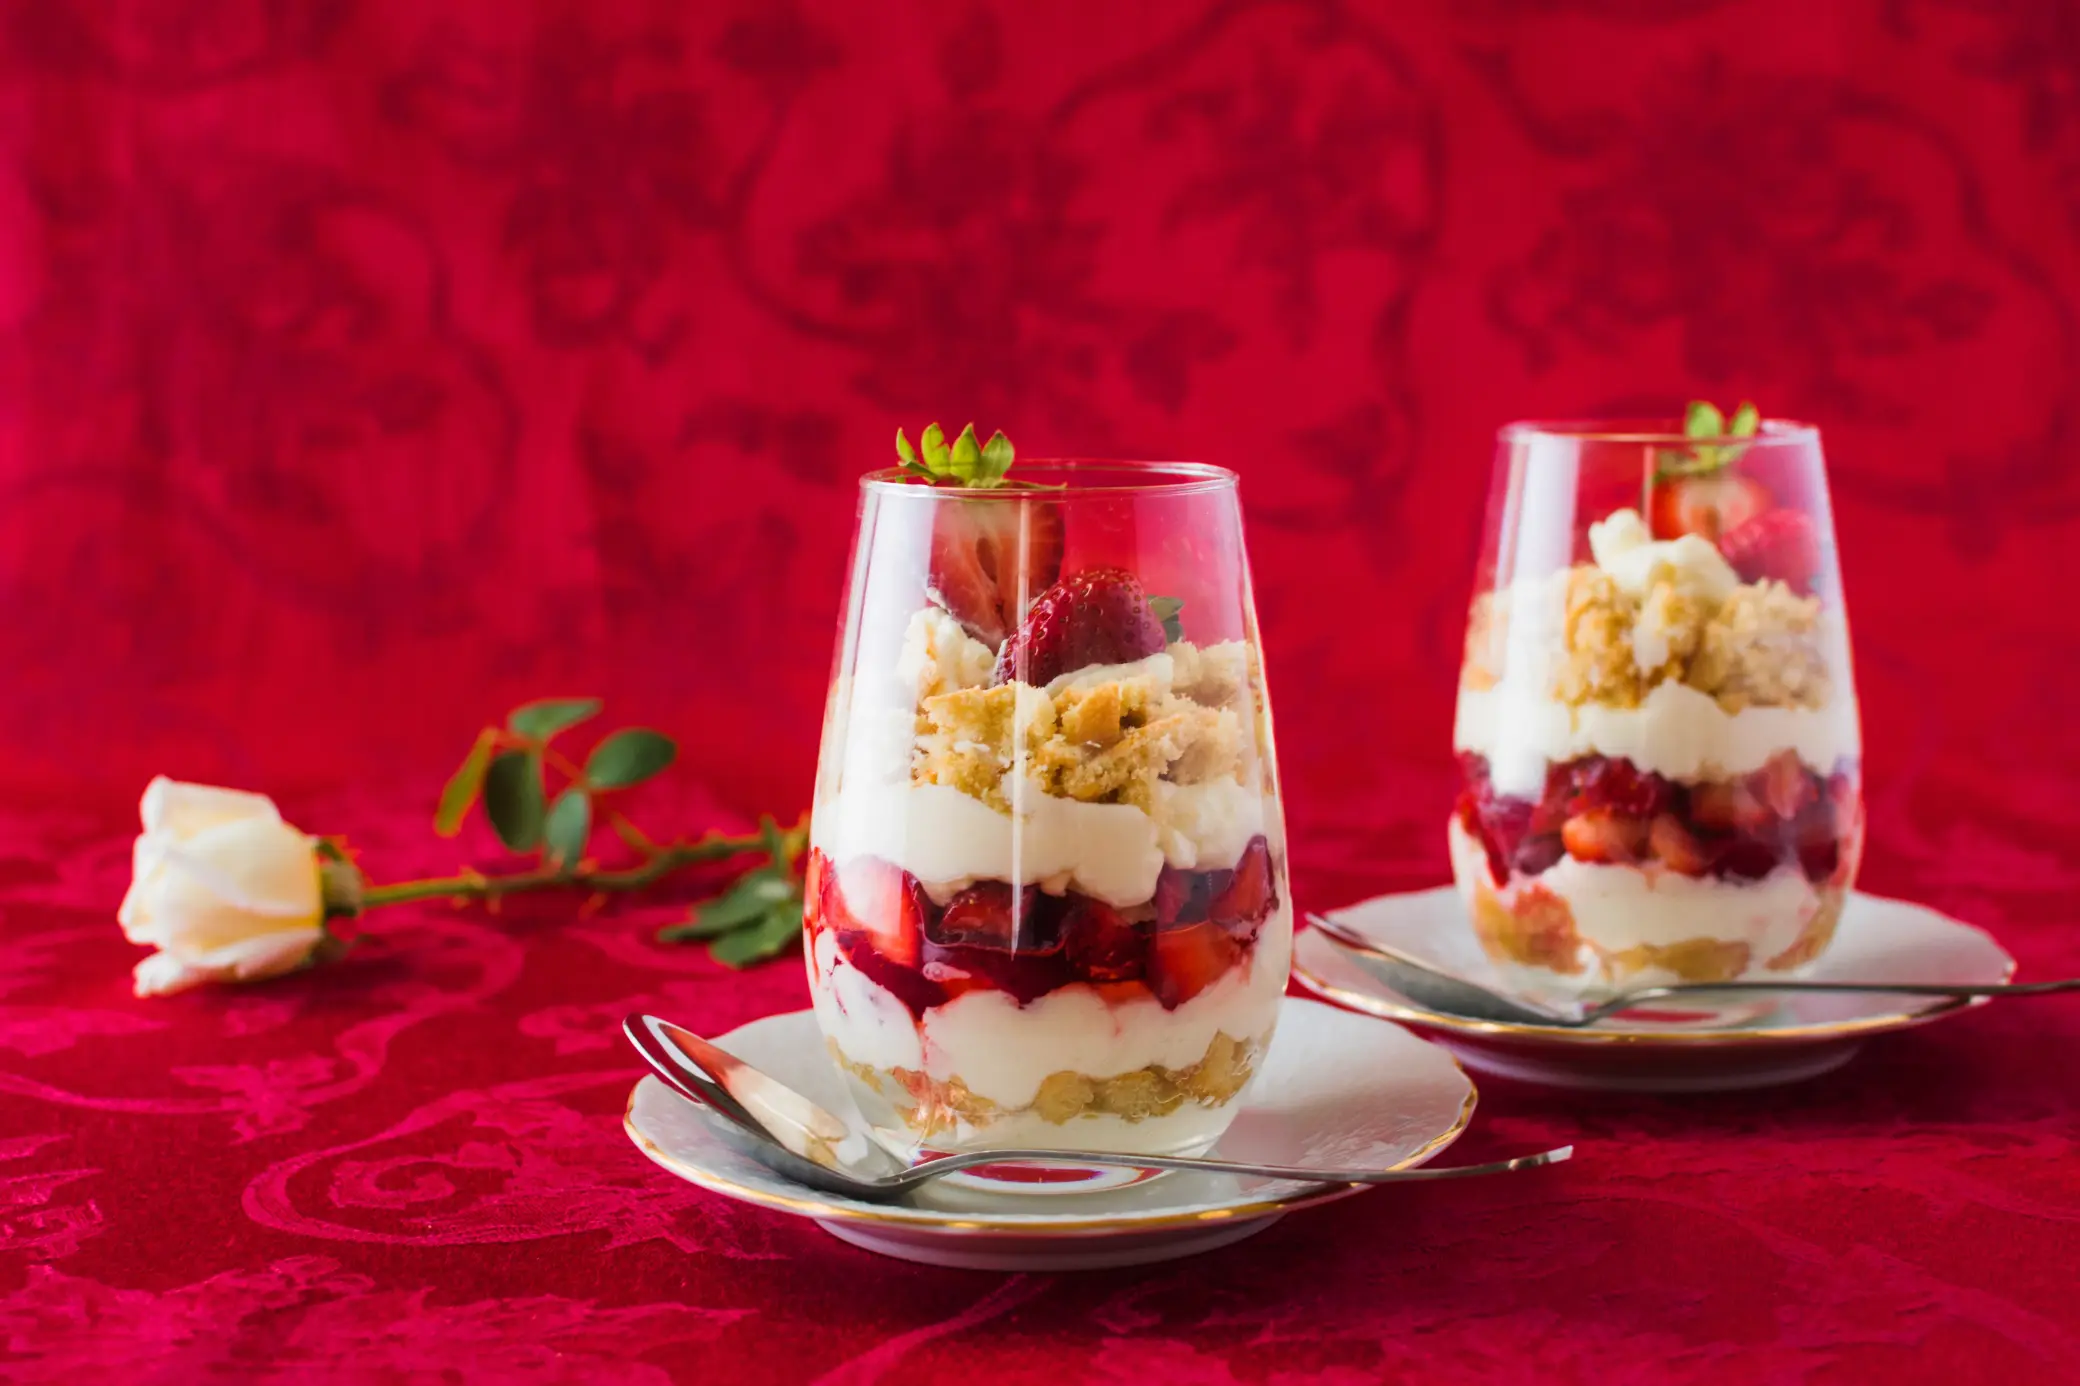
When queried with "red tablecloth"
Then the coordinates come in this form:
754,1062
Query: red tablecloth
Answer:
368,367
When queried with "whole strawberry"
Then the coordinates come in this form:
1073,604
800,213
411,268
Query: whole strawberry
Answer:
1779,544
1099,616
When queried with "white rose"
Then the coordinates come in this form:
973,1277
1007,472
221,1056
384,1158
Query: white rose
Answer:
222,887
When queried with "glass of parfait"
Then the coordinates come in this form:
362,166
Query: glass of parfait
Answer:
1046,895
1657,726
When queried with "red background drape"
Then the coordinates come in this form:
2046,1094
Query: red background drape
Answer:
368,366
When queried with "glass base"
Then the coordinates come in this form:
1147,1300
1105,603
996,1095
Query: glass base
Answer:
1188,1131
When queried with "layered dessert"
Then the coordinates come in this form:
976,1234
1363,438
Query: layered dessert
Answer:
1660,752
1045,897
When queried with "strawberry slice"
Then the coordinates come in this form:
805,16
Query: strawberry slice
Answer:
1102,945
1677,848
1784,785
1710,505
990,557
814,873
1181,897
1782,545
1100,616
1729,806
884,902
986,915
1250,895
1603,836
1184,962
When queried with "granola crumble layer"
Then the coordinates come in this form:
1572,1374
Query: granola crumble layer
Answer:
1759,645
934,1107
1101,737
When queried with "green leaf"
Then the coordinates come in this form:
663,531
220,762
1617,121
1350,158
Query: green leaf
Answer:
462,789
903,449
628,757
1746,420
966,458
568,829
754,894
513,798
1166,609
540,720
1703,420
775,930
997,455
932,442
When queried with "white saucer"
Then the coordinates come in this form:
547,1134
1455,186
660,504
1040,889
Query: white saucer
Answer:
1701,1049
1336,1089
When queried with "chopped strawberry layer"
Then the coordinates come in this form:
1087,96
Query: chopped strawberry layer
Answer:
1609,812
1027,943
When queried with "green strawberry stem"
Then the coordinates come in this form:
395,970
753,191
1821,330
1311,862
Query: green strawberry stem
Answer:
966,461
1703,422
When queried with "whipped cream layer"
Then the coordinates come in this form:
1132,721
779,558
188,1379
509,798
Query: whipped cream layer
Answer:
1004,1051
1676,732
1616,908
1112,852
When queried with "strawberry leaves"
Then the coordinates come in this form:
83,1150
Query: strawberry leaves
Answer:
964,462
1703,421
1166,610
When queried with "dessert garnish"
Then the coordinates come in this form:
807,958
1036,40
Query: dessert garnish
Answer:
965,462
1167,610
1099,616
989,557
1779,545
1695,490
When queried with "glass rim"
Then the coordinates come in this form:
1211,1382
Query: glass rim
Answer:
1659,432
1168,478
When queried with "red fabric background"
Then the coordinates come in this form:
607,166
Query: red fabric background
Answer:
367,366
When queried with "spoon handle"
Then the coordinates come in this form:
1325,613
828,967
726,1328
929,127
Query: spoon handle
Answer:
949,1164
1954,992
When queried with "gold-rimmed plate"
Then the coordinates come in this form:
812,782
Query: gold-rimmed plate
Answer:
1338,1089
1667,1049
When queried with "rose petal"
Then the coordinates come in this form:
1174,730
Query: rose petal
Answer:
183,810
252,866
162,974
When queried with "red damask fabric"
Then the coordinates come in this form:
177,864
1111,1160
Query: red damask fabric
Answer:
367,366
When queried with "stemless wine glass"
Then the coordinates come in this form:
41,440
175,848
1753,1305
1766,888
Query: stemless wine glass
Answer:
1046,900
1657,727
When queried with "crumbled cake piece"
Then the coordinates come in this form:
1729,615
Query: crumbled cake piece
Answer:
1667,630
1599,666
1812,940
1760,645
972,736
1762,648
1537,931
1100,715
1692,960
1109,742
1127,770
1217,675
937,1106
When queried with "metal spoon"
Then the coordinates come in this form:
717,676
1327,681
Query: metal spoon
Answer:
760,1116
1435,989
